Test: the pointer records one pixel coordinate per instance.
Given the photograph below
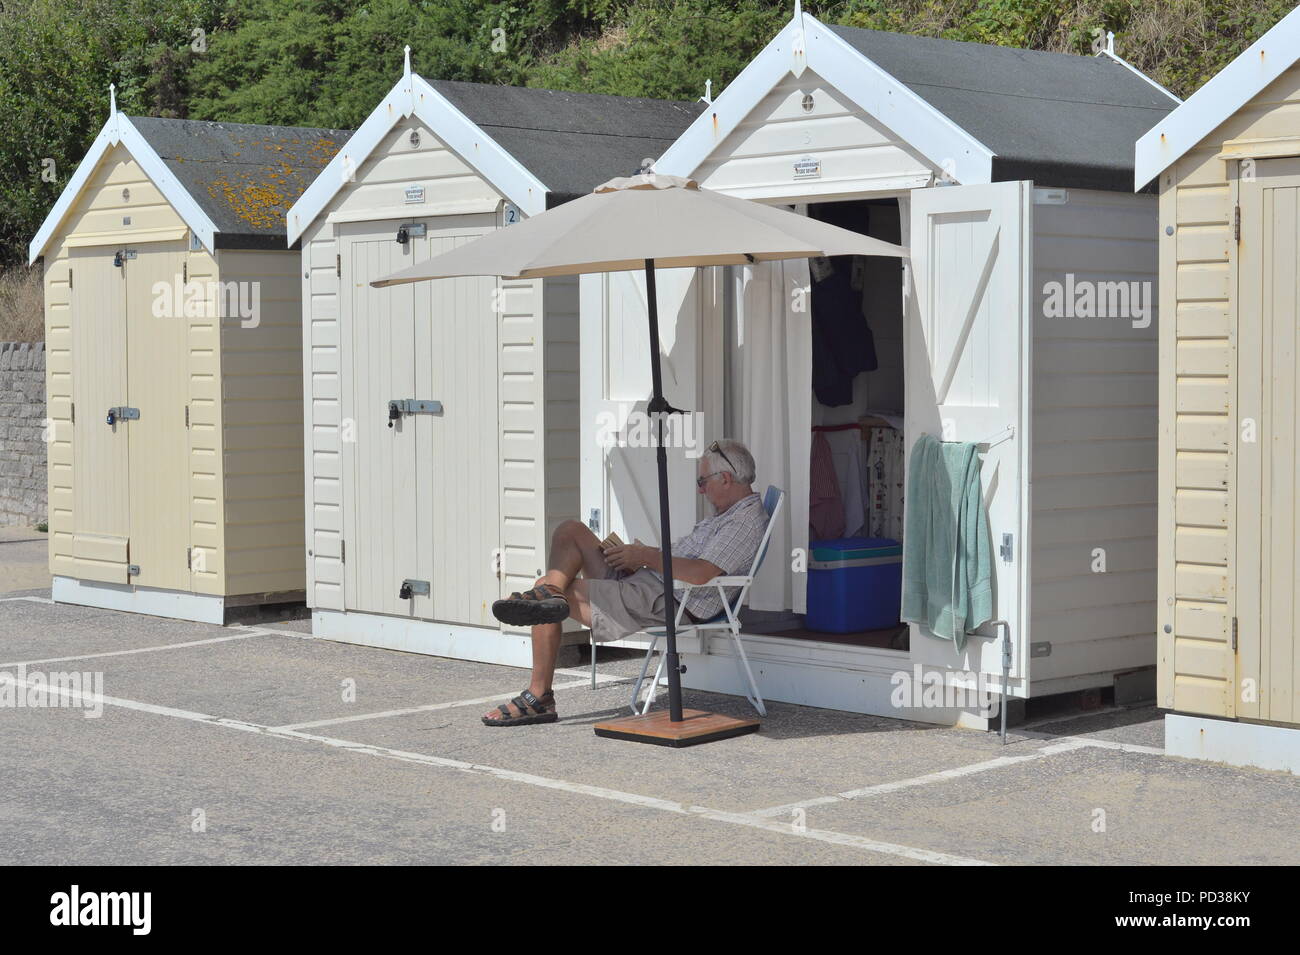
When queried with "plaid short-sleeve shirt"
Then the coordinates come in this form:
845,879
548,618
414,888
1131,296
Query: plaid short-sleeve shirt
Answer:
729,541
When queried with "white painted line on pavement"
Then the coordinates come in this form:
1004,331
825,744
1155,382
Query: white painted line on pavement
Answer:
942,775
35,600
599,792
429,707
122,653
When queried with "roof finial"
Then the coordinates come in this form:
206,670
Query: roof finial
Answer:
406,69
798,9
1110,42
112,100
708,93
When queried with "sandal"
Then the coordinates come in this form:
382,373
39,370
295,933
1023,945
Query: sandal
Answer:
531,709
545,603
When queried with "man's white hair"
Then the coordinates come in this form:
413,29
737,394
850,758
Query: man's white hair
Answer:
733,459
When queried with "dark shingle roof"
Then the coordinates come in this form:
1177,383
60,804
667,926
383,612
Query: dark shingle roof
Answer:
1055,118
572,142
244,177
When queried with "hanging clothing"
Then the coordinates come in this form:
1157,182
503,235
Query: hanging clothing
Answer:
948,551
843,345
846,455
884,469
825,506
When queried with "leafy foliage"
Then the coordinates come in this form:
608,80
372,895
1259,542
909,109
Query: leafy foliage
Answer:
327,62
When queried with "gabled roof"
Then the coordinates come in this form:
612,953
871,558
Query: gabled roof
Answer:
984,113
231,183
1056,118
572,141
535,146
1228,91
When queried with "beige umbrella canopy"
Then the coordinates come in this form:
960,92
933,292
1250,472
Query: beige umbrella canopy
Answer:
626,221
644,222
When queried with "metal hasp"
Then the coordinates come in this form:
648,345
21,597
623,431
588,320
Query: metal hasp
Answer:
1008,548
401,406
133,570
412,587
122,413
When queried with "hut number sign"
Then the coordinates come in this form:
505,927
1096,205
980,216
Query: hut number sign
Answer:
414,194
808,168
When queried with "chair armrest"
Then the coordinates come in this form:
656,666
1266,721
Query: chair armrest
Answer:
730,581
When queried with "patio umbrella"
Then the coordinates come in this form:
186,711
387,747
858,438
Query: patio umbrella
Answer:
648,221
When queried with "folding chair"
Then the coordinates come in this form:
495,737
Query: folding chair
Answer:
726,621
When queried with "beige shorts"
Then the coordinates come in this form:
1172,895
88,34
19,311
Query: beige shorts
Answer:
623,606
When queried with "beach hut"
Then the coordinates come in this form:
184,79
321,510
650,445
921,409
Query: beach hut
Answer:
1023,322
174,368
1227,167
442,419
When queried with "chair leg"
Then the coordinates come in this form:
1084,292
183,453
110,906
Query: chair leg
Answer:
592,639
757,699
654,684
636,687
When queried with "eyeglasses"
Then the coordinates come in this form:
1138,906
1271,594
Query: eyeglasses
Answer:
714,447
701,481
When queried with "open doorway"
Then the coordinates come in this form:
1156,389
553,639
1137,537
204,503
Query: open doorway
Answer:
857,453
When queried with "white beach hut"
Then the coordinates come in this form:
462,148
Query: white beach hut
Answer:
1024,321
442,419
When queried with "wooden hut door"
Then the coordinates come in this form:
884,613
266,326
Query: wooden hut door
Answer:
101,517
381,517
158,382
1267,522
967,360
422,482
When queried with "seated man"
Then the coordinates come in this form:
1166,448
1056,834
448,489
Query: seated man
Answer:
621,588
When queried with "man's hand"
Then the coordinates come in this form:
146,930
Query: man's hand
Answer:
629,557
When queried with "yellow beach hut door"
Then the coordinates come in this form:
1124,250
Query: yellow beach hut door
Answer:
130,444
1268,482
101,516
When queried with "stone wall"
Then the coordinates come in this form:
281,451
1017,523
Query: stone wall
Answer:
22,446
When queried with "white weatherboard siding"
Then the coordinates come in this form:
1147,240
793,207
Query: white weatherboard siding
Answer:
467,499
1093,459
858,155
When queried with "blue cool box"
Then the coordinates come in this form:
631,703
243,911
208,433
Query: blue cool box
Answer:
854,583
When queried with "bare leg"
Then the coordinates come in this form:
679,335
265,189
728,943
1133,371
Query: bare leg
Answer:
574,549
546,644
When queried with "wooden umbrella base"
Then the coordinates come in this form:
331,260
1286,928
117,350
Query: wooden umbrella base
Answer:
697,726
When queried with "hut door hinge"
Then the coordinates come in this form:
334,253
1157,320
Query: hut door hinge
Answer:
338,265
185,272
72,411
1234,634
189,558
1236,222
69,280
343,552
187,416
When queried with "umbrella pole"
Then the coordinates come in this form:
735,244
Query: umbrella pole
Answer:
659,408
689,727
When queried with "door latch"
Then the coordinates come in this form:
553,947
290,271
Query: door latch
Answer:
401,406
412,587
1007,550
122,413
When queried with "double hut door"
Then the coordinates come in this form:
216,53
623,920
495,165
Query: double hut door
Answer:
130,437
420,428
1267,535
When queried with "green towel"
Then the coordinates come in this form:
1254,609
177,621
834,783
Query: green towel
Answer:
947,548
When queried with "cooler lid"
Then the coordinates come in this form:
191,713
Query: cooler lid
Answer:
855,548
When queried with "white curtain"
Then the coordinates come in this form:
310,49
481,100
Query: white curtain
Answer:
771,389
